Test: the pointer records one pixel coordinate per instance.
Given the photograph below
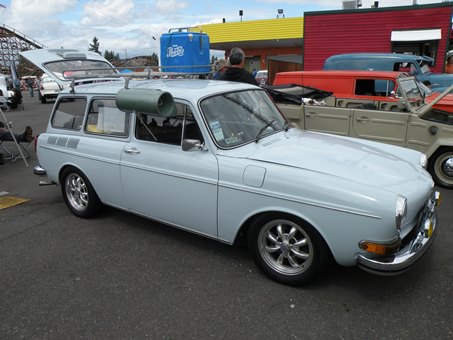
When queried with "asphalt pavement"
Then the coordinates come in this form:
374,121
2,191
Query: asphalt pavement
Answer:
120,276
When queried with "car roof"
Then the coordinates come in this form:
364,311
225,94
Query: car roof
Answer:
190,89
348,73
394,56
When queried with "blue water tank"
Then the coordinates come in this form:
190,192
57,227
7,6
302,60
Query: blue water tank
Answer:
184,51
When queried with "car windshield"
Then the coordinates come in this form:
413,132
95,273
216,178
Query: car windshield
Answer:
241,117
411,91
79,68
425,69
426,91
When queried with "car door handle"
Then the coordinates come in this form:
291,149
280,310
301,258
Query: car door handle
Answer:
363,119
132,151
310,114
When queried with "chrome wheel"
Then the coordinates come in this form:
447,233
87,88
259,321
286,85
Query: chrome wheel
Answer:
442,167
285,247
76,192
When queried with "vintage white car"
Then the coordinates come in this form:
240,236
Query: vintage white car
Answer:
48,89
218,159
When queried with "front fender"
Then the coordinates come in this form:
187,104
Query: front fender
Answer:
442,142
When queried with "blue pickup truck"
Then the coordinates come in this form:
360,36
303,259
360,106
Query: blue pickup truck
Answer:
418,66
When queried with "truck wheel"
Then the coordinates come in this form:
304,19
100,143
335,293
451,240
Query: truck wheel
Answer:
78,193
287,249
441,167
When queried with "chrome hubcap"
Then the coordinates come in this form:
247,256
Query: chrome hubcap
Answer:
447,167
77,192
285,247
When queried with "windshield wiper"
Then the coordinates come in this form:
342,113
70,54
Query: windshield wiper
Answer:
287,126
258,136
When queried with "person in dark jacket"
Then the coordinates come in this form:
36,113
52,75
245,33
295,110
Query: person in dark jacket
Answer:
236,71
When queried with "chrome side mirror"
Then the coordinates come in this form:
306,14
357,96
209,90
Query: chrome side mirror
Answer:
189,144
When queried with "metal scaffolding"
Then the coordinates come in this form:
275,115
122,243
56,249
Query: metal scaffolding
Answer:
11,43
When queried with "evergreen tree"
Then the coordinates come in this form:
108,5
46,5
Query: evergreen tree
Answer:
153,60
214,60
94,46
111,56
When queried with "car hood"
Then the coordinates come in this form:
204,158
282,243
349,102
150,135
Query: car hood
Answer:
446,103
365,162
440,80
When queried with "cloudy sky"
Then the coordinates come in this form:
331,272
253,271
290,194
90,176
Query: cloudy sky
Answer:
128,26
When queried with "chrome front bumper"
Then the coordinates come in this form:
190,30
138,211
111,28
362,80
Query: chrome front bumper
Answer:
413,249
39,170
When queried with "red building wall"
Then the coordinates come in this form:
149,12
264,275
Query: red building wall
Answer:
369,30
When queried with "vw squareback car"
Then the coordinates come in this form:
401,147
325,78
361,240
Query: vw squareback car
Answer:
219,159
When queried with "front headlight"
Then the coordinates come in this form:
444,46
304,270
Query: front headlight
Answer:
423,161
400,211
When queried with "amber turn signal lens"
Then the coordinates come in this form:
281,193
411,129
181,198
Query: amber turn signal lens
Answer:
381,248
428,229
438,198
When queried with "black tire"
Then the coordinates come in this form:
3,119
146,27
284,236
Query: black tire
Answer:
287,249
441,167
43,100
78,193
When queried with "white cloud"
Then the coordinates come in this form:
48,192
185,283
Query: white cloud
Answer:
169,6
37,18
337,4
108,13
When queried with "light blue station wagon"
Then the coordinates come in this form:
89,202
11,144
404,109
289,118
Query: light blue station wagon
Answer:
219,159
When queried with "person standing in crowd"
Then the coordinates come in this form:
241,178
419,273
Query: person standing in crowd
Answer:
30,86
16,84
236,71
449,65
221,67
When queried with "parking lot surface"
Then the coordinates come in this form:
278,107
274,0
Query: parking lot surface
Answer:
120,276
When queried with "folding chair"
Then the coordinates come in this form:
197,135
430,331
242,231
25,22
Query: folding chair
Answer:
14,156
22,149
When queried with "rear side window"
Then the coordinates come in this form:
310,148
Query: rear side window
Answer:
374,87
69,113
104,118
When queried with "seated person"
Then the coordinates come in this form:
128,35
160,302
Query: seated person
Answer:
26,137
14,98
